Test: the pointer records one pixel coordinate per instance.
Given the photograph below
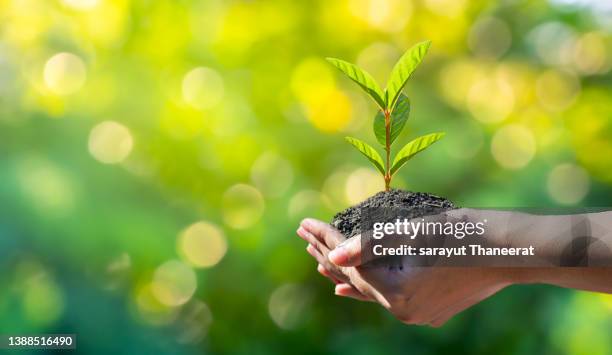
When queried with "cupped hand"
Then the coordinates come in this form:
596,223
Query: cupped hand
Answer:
414,295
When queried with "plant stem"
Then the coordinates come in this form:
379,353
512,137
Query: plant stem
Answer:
388,149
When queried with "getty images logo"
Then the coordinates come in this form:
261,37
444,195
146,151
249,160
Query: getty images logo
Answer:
412,229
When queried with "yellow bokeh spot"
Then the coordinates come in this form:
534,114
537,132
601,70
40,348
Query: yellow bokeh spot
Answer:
81,4
174,283
385,15
557,90
107,21
202,244
312,80
64,73
202,88
242,206
332,113
448,8
548,130
110,142
24,28
513,146
568,184
491,100
520,77
456,79
590,54
336,198
363,183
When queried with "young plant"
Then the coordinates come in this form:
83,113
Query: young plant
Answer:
394,109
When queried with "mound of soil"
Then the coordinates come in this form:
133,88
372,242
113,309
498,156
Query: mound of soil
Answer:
413,205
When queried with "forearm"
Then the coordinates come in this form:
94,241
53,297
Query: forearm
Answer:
577,247
558,240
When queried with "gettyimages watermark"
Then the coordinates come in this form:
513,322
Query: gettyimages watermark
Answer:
487,238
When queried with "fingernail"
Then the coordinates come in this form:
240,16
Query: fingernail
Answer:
301,232
306,223
310,249
338,256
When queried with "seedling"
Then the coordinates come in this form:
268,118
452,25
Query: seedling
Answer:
394,108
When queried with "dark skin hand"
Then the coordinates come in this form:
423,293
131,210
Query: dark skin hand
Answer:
426,295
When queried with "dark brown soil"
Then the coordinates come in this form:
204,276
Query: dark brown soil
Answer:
413,204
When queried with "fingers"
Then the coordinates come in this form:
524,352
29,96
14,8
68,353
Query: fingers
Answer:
325,233
347,290
323,271
347,253
315,254
311,239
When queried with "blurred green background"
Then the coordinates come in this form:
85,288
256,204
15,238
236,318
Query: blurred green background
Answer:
157,156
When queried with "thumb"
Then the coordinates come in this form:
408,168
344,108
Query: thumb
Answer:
347,253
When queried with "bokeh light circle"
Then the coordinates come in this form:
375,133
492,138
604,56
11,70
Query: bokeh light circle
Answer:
491,100
110,142
43,301
194,321
174,283
553,42
203,88
386,15
557,90
81,4
49,188
64,73
448,8
303,201
378,59
363,183
456,80
242,206
332,113
202,244
568,183
150,309
272,174
288,304
513,146
489,37
590,54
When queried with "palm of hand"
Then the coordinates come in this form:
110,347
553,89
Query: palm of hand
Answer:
414,295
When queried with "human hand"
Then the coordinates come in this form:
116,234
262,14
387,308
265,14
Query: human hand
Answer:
414,295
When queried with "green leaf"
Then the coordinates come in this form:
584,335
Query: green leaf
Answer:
369,153
399,116
414,147
361,77
403,69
